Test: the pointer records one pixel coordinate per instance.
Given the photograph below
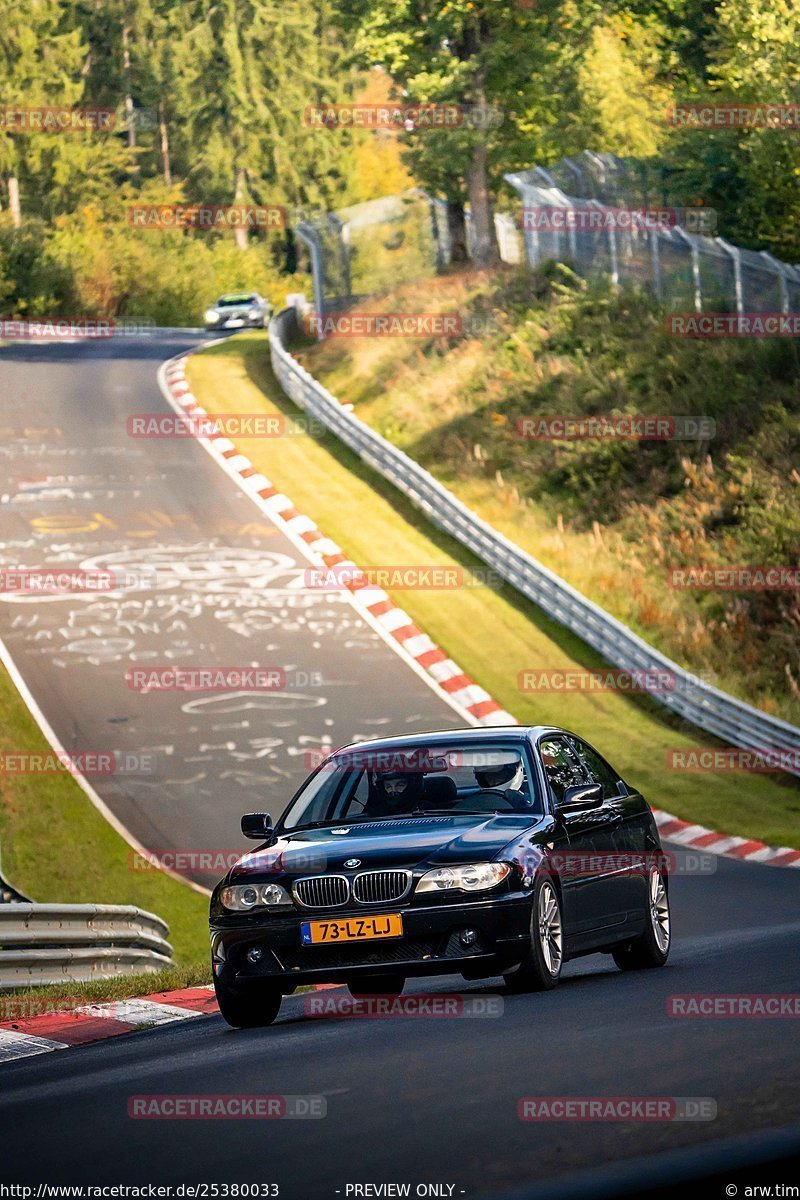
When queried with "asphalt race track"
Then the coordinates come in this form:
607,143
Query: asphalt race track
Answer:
228,591
434,1100
422,1100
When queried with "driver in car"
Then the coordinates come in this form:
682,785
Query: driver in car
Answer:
498,776
393,794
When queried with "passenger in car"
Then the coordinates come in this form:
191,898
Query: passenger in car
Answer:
393,794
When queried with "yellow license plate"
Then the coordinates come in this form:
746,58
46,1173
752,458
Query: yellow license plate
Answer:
352,929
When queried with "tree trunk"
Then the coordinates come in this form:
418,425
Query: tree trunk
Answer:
13,201
164,132
126,74
457,228
484,239
240,233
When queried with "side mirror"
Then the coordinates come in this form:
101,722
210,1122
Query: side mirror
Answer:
581,796
257,826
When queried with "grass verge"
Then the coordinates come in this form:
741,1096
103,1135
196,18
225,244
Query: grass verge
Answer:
57,848
614,516
493,634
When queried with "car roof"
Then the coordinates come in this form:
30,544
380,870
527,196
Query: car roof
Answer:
468,735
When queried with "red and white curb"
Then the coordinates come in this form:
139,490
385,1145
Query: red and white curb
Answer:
746,849
66,1026
396,627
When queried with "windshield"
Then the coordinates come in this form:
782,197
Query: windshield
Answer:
235,301
367,785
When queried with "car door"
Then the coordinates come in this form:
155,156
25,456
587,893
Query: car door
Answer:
593,894
629,833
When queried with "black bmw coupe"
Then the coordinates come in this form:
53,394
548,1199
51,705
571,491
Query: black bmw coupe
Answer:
479,852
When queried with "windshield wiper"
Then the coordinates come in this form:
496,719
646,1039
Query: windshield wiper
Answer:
365,818
474,812
311,825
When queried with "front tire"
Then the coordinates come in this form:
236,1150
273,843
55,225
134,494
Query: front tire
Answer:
651,949
249,1007
540,969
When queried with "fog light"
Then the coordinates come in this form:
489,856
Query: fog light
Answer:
469,937
254,955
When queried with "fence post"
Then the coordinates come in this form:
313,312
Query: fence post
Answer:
781,273
344,244
737,271
698,291
612,246
571,165
530,236
552,186
309,237
441,230
568,204
599,167
655,258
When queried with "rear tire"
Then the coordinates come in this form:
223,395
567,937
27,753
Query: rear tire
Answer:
377,985
540,969
249,1007
651,949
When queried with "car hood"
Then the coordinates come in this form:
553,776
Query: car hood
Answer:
393,843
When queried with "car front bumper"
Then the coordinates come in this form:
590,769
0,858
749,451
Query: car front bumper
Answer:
431,944
236,322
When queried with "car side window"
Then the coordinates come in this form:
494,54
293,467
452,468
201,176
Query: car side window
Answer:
597,768
562,766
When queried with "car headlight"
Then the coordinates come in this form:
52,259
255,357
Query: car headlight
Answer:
211,314
475,877
243,897
254,313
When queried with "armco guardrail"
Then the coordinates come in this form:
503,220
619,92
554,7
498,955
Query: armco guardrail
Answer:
60,943
691,698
